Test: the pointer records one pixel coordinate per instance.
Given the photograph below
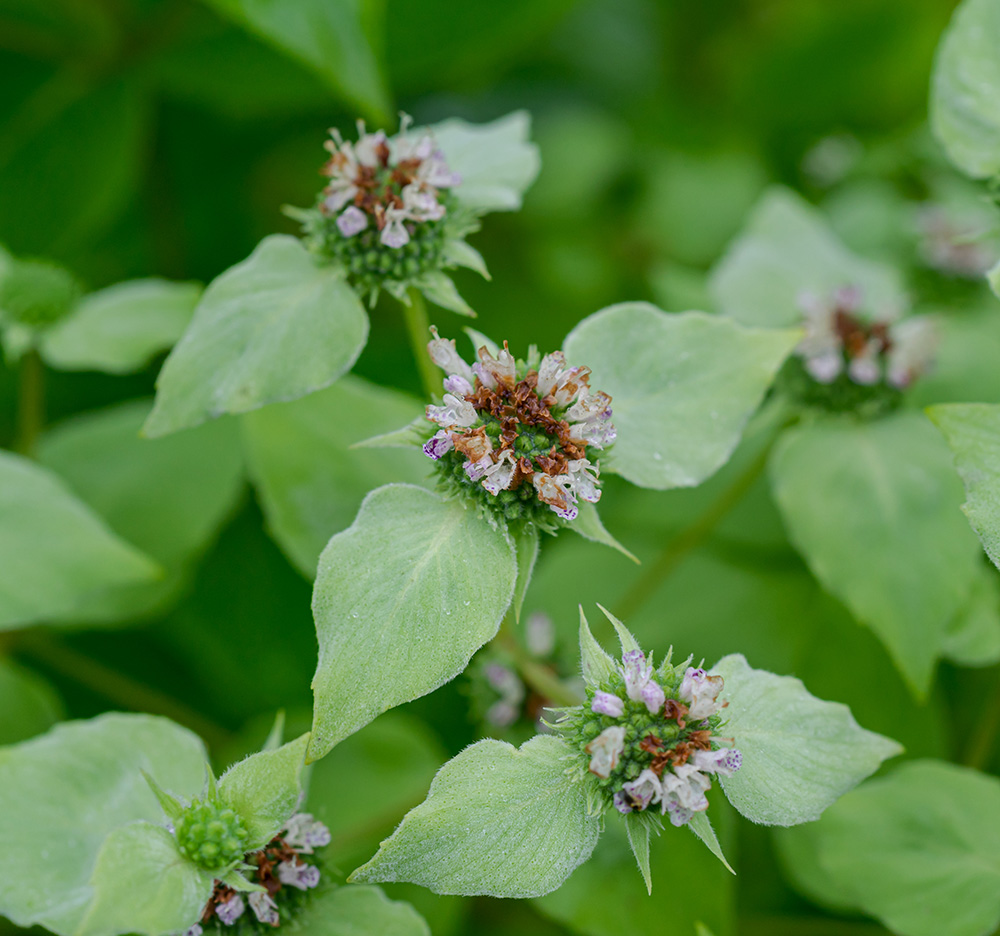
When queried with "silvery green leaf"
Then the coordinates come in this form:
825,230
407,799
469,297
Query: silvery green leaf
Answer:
786,249
972,430
118,330
526,545
886,537
439,288
238,882
588,525
965,113
142,884
265,788
62,793
638,827
359,910
412,435
498,820
497,161
800,754
30,705
973,635
682,387
628,642
275,327
403,598
459,253
479,340
701,825
56,554
309,472
598,667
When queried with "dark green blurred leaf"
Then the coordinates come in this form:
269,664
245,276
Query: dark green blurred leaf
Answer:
29,704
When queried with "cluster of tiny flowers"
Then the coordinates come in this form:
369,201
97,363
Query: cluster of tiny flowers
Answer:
953,248
649,738
516,433
839,342
280,868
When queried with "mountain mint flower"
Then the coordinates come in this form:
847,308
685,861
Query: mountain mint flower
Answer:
210,834
230,910
516,434
264,908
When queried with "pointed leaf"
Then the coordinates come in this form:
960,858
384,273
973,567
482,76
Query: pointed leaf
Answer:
628,642
788,248
526,543
265,788
973,635
359,910
886,536
682,387
799,753
479,340
143,884
118,330
702,827
30,705
55,553
275,327
462,254
598,667
637,826
403,599
588,524
972,430
238,882
498,820
171,806
439,288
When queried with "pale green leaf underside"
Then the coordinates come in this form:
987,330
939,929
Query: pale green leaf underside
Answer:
701,825
498,820
919,849
360,910
402,600
63,792
972,430
588,524
800,753
597,665
56,554
273,328
143,884
886,536
965,90
786,249
682,387
118,330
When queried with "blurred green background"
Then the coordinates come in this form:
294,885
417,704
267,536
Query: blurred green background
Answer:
162,137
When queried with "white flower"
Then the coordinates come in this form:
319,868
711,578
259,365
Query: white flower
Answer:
394,234
439,444
194,930
605,750
493,371
352,221
684,793
298,874
639,683
421,204
913,344
645,789
231,910
500,474
370,146
458,385
264,908
825,367
453,412
725,761
700,691
556,491
445,355
865,369
583,478
305,834
606,703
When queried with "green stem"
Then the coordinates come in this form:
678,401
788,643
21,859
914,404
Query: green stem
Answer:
124,691
30,403
418,326
540,678
984,736
690,538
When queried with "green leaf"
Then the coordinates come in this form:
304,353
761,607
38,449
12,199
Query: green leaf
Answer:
588,525
972,430
886,536
787,248
799,753
61,794
459,253
682,387
334,39
638,827
309,479
497,161
359,910
55,553
265,788
597,665
526,543
403,599
973,635
439,288
167,496
918,849
143,884
498,820
118,330
29,704
412,435
273,328
625,637
965,90
701,825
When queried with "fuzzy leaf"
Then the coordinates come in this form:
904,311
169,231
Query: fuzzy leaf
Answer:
30,705
628,642
479,340
526,544
637,827
598,666
682,387
359,910
265,788
498,820
588,525
403,598
439,288
886,537
701,825
118,330
973,635
799,753
275,327
972,430
786,249
462,254
55,553
143,884
62,793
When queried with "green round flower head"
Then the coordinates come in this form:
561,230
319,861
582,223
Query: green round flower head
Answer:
36,293
211,834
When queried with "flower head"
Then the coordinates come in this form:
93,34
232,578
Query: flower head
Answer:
518,434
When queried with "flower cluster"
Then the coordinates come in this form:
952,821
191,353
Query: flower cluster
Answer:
846,360
381,214
954,247
516,433
649,738
283,871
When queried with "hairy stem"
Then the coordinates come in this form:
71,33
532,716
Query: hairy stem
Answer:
418,328
30,403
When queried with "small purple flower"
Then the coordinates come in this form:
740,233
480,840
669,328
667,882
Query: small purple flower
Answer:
639,683
195,930
439,444
605,750
700,691
352,221
654,696
502,713
606,703
540,634
230,911
458,385
264,908
301,875
305,834
622,803
645,789
725,761
394,234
